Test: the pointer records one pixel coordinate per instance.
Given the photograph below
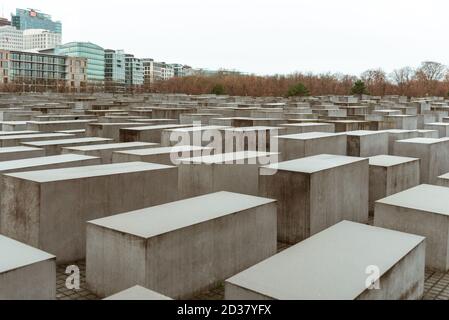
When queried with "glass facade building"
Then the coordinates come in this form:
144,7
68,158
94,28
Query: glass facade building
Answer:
134,71
32,19
94,54
114,66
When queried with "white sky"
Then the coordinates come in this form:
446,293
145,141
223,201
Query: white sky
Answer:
260,36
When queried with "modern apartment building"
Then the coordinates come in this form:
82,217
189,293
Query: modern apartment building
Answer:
94,54
39,71
167,71
40,39
114,67
11,38
4,22
33,19
134,71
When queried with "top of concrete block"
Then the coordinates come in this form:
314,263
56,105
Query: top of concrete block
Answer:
389,161
36,135
41,161
323,266
399,131
14,255
197,128
162,150
66,141
107,146
443,124
60,121
314,163
306,124
425,197
310,135
18,149
157,220
158,127
254,128
137,293
360,133
227,158
10,133
42,176
420,140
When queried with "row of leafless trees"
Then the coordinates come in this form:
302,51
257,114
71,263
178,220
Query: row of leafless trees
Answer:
430,78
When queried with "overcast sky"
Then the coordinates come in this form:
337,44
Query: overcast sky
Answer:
260,36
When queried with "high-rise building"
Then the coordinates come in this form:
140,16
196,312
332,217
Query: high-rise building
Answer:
134,71
11,38
40,71
40,39
92,52
114,67
33,19
4,22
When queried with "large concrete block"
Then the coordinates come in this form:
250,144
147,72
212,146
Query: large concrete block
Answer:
434,155
152,133
51,126
15,153
54,147
441,127
402,122
335,265
394,135
180,248
16,140
31,212
163,155
367,143
257,138
105,151
296,128
193,136
316,192
422,210
389,175
26,273
109,130
297,146
234,172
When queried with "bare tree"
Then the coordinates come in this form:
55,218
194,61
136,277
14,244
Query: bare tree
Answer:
431,71
402,76
375,80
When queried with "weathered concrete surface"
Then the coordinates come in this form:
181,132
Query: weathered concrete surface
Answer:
16,140
389,175
163,155
32,214
367,143
433,153
324,267
312,143
180,248
26,273
234,172
316,192
152,133
105,151
54,147
15,153
422,210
